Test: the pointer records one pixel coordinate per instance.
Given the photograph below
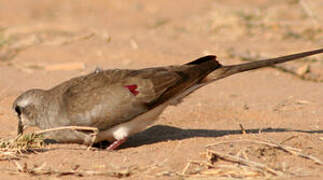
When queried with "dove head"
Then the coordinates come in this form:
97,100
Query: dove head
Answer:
29,107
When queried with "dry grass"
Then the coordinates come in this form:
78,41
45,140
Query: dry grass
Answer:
243,164
13,148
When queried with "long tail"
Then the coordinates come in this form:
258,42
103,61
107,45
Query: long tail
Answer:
225,71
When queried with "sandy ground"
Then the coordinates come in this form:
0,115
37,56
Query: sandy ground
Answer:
43,43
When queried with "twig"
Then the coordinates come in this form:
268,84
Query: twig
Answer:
292,151
297,153
95,130
94,135
288,149
11,147
253,141
246,162
288,139
186,168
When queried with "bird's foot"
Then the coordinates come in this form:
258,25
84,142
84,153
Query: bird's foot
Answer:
116,144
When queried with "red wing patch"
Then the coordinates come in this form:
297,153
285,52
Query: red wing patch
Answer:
132,88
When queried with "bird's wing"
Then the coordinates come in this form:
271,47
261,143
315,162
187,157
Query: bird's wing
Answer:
111,97
107,98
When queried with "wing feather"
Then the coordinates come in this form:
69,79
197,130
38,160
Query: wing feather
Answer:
102,100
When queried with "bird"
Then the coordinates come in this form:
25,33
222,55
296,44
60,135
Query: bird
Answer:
122,102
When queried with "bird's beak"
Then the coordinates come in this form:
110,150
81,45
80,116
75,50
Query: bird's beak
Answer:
20,129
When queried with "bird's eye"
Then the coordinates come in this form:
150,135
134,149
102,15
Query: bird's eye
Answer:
18,110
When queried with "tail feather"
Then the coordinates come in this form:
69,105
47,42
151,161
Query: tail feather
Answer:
225,71
203,60
204,65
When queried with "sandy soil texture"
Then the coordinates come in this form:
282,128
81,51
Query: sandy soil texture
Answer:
260,124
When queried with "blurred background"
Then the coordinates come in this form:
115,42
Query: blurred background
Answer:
45,42
139,33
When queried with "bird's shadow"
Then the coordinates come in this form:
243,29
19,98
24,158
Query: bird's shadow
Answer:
161,133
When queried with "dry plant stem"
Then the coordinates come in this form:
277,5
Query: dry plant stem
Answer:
287,139
246,162
297,153
256,142
188,165
95,131
293,151
186,168
12,148
285,148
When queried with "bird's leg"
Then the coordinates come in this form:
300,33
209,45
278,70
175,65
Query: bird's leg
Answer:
116,144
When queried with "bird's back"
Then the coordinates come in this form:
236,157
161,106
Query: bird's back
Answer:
106,98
